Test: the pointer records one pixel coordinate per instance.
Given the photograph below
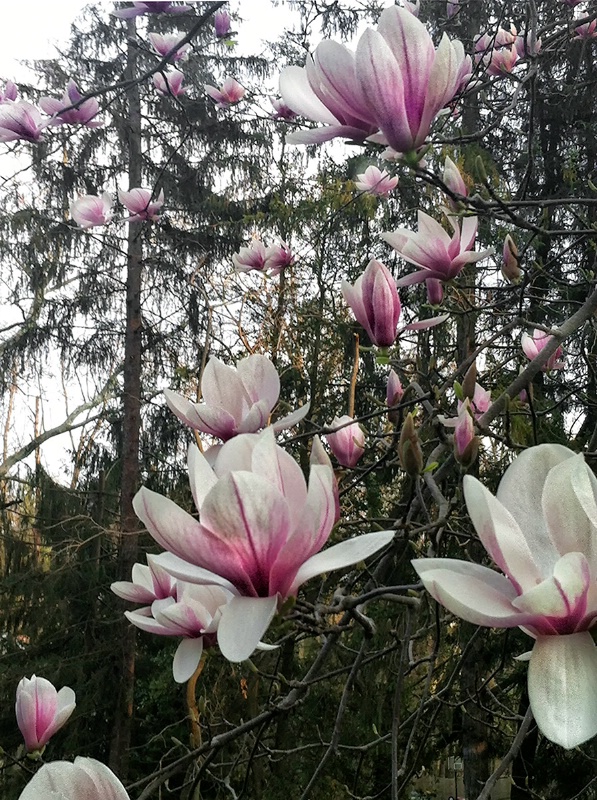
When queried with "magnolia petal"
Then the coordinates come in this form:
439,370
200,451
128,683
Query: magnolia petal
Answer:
521,491
142,619
474,593
183,408
260,379
563,688
201,476
331,73
298,95
244,621
341,555
569,506
423,324
216,421
256,417
320,135
292,419
501,535
281,470
169,525
86,778
222,387
183,571
186,659
381,81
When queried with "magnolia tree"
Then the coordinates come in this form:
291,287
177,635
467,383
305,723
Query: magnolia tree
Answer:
395,391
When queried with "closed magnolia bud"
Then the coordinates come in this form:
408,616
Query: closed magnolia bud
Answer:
394,393
466,444
409,448
510,266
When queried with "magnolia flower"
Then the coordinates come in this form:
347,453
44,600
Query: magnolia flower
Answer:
375,303
348,442
533,345
10,93
139,203
90,210
540,531
510,266
86,779
41,710
454,181
439,256
164,44
466,444
501,61
236,399
222,23
479,403
192,613
152,7
277,257
250,258
374,181
281,110
20,120
149,583
258,535
229,93
83,114
394,393
394,86
587,30
169,83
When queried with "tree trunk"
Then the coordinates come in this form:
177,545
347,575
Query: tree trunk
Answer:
121,734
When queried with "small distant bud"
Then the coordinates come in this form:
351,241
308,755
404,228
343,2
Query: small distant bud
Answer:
510,266
409,448
394,393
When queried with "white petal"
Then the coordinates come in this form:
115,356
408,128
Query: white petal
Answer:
563,688
298,95
520,491
186,659
244,621
342,555
292,419
182,570
201,475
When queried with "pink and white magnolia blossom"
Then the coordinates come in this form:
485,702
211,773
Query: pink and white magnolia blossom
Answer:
347,443
510,265
259,533
541,532
84,114
374,181
10,92
393,86
454,181
142,207
533,345
439,256
151,7
164,44
41,710
89,210
86,779
480,402
586,31
236,399
281,110
465,441
21,120
193,613
375,303
222,23
257,257
501,61
228,94
169,83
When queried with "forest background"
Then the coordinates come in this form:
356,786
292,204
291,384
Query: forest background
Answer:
358,700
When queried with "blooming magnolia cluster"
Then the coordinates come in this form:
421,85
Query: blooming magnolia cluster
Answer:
259,258
90,211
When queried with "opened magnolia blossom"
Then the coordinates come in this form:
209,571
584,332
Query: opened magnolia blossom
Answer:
541,531
86,779
236,399
391,89
258,536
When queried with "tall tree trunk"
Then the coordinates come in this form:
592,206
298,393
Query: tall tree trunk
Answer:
121,734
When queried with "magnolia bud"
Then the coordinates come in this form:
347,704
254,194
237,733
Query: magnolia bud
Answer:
409,448
510,266
470,381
